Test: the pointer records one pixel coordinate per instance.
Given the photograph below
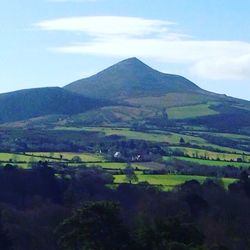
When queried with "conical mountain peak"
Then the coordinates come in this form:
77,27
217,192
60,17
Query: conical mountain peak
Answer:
133,61
130,64
131,78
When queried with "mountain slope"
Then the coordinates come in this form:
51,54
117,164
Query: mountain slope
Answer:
30,103
129,94
156,97
131,78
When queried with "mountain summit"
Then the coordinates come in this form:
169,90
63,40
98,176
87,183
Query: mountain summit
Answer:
131,78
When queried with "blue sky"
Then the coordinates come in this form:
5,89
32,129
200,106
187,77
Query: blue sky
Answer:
54,42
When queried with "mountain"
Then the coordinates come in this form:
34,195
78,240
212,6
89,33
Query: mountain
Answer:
30,103
129,94
144,95
131,78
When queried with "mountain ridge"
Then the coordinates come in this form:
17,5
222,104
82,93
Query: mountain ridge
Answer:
31,103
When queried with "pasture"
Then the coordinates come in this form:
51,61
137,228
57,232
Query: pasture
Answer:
211,155
190,111
168,181
207,162
159,136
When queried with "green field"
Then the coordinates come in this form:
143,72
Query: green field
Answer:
118,165
168,181
170,100
23,160
228,135
15,157
199,153
164,137
159,136
85,157
207,162
190,111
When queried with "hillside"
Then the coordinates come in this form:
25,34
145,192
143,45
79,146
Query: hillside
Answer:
131,78
129,94
30,103
148,96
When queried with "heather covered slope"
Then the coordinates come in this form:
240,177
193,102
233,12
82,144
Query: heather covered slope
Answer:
30,103
131,78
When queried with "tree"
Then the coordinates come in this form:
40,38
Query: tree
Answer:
169,234
95,226
61,157
5,241
182,141
76,159
244,177
130,174
31,162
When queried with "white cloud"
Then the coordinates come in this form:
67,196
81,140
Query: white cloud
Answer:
99,26
133,36
237,68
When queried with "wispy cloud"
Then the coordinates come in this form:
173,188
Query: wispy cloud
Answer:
111,26
132,36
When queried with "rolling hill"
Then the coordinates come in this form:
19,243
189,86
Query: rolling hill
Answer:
30,103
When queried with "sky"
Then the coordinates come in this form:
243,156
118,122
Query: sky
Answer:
54,42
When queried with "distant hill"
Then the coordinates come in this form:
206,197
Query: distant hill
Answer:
148,96
30,103
131,78
129,94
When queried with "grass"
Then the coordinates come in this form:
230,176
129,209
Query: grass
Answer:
207,162
190,111
22,160
115,115
157,136
170,100
168,181
118,165
197,153
165,137
15,157
86,157
229,135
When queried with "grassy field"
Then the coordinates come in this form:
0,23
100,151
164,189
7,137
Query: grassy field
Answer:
24,160
118,165
168,181
228,135
14,157
168,137
196,140
197,153
156,136
86,157
207,162
170,100
190,111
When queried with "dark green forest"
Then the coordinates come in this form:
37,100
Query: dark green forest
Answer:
42,208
